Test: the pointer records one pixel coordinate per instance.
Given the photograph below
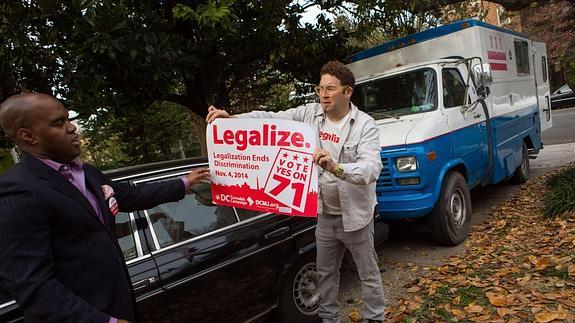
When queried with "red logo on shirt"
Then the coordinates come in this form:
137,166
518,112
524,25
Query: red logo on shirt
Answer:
326,136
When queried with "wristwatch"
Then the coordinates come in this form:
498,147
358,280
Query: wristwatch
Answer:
337,170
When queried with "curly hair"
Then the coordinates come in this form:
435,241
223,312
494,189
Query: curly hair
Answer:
340,71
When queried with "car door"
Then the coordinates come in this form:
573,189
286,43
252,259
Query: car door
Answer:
467,126
141,267
217,264
9,310
150,304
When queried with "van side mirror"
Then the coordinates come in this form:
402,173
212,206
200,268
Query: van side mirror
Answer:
482,74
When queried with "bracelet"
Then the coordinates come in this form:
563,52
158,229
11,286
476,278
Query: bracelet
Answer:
338,171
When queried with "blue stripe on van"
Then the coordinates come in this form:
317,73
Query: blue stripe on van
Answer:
395,201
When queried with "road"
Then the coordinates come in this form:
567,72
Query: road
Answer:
410,248
563,130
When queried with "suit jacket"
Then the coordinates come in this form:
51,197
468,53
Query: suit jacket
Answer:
58,260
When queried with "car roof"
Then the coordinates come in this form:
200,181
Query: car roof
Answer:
133,172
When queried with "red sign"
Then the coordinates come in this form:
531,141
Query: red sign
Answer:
264,165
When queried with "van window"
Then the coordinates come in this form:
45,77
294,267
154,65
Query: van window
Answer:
453,88
522,57
544,68
191,217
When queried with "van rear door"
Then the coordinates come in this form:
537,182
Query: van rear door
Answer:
542,84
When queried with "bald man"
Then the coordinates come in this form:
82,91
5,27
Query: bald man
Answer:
59,255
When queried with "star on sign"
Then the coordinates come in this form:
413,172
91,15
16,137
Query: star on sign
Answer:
305,160
295,157
285,155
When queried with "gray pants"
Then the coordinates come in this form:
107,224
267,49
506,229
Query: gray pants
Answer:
331,244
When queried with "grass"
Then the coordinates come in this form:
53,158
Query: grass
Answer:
552,272
472,294
433,304
560,198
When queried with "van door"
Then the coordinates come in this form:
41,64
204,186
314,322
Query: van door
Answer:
467,128
542,84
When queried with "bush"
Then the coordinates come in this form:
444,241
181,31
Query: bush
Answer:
560,197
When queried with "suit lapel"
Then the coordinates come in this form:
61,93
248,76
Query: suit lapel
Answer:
95,187
57,182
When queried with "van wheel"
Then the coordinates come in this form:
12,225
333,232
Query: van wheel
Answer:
451,218
522,173
299,298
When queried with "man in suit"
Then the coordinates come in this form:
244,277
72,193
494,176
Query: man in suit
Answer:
59,256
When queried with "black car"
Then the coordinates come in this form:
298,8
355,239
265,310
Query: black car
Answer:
564,97
194,261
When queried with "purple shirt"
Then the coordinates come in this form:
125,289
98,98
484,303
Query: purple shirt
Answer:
74,172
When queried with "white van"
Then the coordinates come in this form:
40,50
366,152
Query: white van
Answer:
458,106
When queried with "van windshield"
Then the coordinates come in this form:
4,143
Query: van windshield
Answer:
394,96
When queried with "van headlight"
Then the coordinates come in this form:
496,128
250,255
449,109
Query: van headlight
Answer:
406,164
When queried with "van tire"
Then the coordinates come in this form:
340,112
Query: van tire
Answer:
451,217
522,173
297,303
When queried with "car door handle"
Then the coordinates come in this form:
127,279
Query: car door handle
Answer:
143,283
276,233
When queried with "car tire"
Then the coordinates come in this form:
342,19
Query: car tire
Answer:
299,298
522,173
451,217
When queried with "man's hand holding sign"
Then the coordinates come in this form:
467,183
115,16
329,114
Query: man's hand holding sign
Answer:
265,164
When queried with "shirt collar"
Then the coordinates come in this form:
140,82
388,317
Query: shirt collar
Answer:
354,109
75,164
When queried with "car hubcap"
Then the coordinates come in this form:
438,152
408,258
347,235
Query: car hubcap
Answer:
305,293
457,208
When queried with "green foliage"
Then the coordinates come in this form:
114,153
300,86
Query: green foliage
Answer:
374,22
6,160
160,132
568,62
560,197
465,10
208,15
113,61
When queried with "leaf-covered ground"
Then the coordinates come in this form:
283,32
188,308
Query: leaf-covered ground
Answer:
518,267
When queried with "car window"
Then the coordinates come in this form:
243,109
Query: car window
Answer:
125,234
245,214
564,89
453,88
191,217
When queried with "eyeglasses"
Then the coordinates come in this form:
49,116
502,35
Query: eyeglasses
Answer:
330,89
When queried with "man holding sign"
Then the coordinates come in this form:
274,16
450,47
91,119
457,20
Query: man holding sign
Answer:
348,155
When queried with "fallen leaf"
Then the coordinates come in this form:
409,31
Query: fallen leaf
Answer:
496,299
542,264
472,308
545,316
456,300
503,311
355,316
571,269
